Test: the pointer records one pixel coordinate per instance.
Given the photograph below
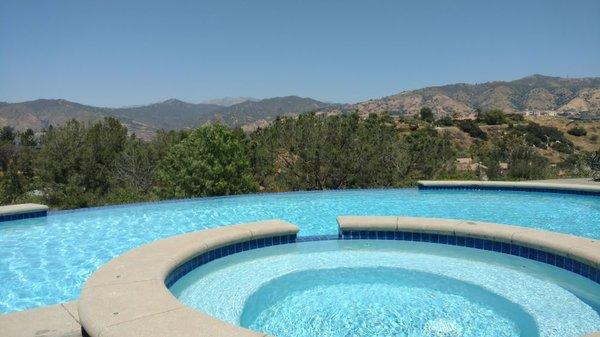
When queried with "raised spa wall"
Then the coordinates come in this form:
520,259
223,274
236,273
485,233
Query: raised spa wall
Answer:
575,254
129,296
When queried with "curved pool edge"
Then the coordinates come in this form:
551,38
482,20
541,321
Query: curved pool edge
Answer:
573,253
129,296
535,186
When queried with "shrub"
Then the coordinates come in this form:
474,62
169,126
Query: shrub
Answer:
426,114
544,136
445,121
577,131
472,129
492,117
515,117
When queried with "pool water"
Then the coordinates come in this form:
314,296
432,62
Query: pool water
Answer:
46,260
391,288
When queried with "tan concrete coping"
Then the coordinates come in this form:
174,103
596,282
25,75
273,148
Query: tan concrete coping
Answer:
59,320
584,250
128,297
21,209
534,185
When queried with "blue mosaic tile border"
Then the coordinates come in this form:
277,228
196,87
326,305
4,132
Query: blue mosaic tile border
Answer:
508,188
317,238
220,252
21,216
559,261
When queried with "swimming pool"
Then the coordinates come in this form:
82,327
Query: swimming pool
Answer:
391,288
46,260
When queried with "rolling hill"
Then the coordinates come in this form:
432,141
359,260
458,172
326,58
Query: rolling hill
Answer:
533,93
536,93
145,120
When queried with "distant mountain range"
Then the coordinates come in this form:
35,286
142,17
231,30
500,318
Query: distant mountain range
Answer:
532,93
145,120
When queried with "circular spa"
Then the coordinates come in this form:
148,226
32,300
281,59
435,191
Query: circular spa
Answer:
391,288
380,276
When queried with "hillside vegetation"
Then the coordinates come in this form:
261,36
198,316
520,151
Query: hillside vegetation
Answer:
78,164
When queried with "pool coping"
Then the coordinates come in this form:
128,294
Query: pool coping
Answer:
22,211
535,186
129,295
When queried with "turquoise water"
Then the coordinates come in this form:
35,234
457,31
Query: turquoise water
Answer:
391,288
46,260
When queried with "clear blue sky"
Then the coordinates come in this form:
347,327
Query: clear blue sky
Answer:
114,53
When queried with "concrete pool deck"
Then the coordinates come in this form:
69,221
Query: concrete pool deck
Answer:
60,320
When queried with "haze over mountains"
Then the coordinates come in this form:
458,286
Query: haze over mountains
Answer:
229,101
542,94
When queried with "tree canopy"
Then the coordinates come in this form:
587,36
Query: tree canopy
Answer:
211,161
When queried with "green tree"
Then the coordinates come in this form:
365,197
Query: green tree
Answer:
490,155
492,117
594,162
164,140
60,155
135,166
27,138
524,162
426,114
319,152
11,186
102,143
211,161
7,147
429,155
7,154
7,134
76,163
